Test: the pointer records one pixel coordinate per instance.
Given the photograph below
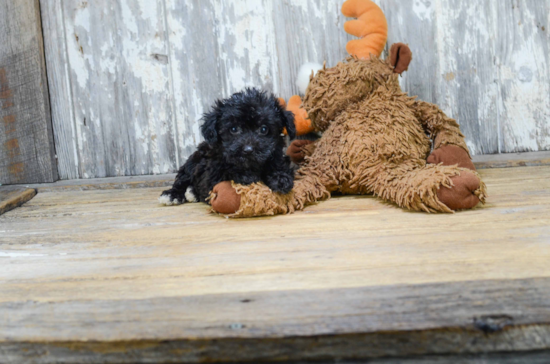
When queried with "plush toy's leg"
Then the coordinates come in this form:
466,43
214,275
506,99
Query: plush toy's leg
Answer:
313,183
416,186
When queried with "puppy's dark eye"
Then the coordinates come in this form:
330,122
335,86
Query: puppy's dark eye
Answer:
235,130
263,130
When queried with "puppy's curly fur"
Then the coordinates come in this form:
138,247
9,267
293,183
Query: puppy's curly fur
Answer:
243,143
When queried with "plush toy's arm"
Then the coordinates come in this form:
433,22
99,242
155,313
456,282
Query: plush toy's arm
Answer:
442,129
299,149
449,145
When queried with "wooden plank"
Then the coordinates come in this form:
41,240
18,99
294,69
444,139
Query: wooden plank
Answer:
480,161
27,152
466,79
294,325
13,196
62,106
531,357
109,183
203,50
119,78
524,64
512,160
111,276
194,64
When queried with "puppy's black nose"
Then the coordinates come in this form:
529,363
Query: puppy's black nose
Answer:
248,149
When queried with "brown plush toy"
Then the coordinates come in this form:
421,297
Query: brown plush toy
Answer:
376,139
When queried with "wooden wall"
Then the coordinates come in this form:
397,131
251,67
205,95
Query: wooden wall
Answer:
129,79
26,144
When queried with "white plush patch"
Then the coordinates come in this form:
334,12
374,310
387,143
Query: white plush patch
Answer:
165,200
304,73
189,195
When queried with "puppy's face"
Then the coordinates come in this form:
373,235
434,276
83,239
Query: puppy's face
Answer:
247,126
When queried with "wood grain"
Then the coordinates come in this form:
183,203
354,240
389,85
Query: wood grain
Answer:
480,161
511,160
485,63
27,153
111,276
523,57
12,197
61,97
118,77
284,325
531,357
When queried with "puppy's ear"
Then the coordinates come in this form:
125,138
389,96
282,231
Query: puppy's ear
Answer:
288,122
209,127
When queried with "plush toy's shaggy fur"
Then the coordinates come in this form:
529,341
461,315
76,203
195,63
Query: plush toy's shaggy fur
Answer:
243,143
376,139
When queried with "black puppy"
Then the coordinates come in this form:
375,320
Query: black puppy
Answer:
243,143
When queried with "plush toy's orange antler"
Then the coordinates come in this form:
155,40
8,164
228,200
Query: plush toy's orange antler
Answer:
371,26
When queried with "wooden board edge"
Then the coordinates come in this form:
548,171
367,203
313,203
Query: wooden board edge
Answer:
17,200
108,183
509,160
469,317
449,341
147,181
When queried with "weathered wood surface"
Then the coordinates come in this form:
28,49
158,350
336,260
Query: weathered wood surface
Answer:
109,183
130,79
480,161
111,276
27,152
530,357
509,160
13,196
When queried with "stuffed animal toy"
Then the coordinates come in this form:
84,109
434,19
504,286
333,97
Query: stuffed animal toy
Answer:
375,138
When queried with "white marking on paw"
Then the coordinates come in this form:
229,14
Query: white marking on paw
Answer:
189,195
165,200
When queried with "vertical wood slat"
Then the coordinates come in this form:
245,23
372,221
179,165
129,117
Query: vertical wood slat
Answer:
118,77
523,49
62,107
470,57
27,153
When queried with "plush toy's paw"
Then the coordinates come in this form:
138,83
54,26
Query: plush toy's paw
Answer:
449,155
171,197
280,183
295,150
464,194
225,199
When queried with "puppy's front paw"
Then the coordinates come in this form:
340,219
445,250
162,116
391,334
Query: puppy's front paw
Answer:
171,197
281,183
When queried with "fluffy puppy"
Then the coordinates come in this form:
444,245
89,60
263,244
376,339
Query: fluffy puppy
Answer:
243,143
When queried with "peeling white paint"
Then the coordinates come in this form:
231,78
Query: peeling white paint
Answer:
143,81
526,89
75,48
128,18
423,9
